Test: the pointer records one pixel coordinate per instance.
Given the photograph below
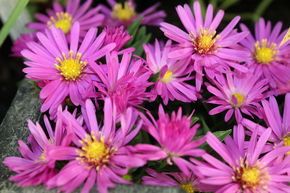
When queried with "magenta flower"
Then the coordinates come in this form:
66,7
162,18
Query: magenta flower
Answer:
244,167
237,94
117,35
125,81
21,43
65,67
188,182
280,126
125,13
64,19
166,130
100,155
34,167
268,56
173,74
214,52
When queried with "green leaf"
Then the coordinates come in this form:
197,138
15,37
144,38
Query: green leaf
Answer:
260,9
133,28
221,135
20,6
228,3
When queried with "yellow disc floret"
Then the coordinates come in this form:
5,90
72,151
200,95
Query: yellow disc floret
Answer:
237,99
95,152
188,187
71,68
286,141
167,76
264,54
251,177
62,21
204,43
124,12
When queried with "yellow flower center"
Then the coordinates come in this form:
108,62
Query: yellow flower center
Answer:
71,68
167,76
237,99
287,141
251,177
62,21
42,157
204,43
94,152
188,187
123,12
264,54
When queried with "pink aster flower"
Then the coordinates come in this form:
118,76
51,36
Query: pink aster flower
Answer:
117,35
34,167
244,168
64,65
214,52
125,13
64,18
166,130
280,125
21,43
188,182
125,81
100,155
237,94
268,56
173,74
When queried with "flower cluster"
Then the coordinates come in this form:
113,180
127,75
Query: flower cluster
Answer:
102,98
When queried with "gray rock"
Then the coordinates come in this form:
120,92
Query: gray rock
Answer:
26,106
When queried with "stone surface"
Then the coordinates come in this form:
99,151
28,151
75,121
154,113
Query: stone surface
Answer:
25,106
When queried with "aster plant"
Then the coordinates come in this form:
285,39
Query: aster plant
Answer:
64,66
214,52
124,13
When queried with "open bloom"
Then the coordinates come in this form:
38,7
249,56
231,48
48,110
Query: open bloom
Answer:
62,65
99,156
244,167
166,130
237,94
188,182
170,84
65,18
214,52
34,167
268,56
125,81
125,13
280,125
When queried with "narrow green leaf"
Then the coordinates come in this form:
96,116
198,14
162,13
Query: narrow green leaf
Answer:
132,30
261,9
20,6
228,3
221,135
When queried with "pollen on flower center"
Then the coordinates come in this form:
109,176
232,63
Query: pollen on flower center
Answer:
167,76
62,21
251,177
94,152
188,187
204,43
42,157
237,99
264,54
71,68
123,12
286,141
